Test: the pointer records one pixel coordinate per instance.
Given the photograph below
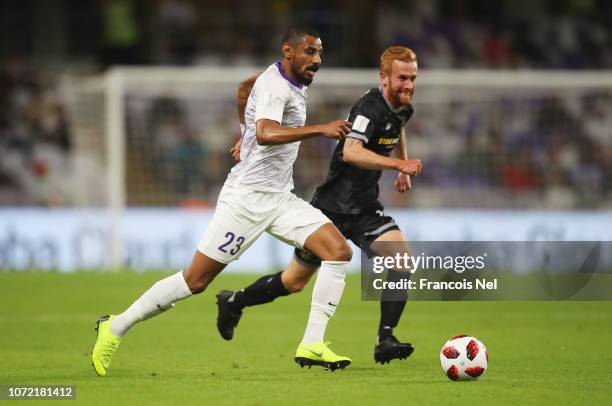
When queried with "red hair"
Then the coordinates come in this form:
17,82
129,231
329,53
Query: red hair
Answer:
395,53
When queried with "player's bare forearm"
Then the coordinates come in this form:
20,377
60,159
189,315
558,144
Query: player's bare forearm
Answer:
244,90
355,154
269,132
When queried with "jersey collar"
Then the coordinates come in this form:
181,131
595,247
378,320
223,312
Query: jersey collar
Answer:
294,83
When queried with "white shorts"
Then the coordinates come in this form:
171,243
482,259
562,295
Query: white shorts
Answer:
242,215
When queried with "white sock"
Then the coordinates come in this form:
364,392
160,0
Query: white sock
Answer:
325,298
159,298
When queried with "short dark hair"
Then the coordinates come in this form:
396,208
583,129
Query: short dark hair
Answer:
296,33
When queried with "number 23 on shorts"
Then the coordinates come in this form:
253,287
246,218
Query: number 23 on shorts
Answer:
232,243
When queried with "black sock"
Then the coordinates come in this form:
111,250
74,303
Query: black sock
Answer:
392,303
390,313
263,290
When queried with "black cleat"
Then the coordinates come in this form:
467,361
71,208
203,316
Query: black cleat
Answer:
227,319
390,348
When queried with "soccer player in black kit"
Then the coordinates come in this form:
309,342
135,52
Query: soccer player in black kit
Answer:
349,197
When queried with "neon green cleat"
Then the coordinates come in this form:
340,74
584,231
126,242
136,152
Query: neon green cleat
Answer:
105,347
320,354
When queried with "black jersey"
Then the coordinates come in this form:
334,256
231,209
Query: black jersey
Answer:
349,189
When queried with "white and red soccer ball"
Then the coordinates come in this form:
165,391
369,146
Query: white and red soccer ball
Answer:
464,358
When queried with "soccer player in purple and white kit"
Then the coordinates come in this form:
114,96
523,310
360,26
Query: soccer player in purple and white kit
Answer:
349,197
256,198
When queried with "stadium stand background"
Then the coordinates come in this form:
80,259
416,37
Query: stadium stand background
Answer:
558,157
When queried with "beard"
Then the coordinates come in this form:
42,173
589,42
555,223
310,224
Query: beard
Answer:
306,81
400,98
302,78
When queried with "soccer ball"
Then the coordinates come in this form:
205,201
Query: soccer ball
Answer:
464,358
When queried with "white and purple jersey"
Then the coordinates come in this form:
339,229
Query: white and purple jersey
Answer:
270,167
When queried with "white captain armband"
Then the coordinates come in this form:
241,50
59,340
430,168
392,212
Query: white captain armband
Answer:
360,124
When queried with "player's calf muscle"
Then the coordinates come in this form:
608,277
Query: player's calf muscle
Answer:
201,272
295,284
199,284
296,276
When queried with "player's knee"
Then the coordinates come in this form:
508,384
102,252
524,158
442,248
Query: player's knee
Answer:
346,253
340,251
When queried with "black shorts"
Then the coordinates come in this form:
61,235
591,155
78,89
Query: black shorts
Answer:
362,229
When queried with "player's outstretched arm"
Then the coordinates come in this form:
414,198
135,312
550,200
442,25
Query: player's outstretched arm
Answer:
270,132
355,154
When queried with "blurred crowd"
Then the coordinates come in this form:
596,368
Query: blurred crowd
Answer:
546,151
542,34
35,142
571,34
549,151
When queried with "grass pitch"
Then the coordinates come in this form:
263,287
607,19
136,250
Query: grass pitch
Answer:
539,352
